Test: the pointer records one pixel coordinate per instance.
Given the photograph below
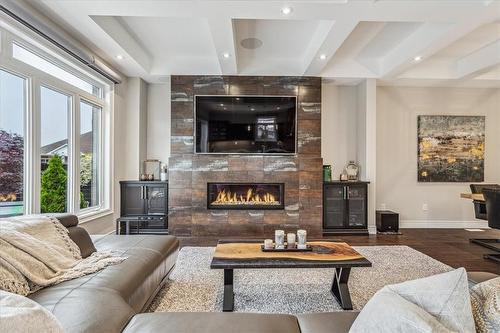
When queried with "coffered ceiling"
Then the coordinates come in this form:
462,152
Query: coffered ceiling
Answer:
396,41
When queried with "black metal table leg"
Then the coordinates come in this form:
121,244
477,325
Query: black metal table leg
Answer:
228,301
340,290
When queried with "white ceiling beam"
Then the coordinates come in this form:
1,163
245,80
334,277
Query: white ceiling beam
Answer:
131,48
313,51
222,31
337,34
479,61
425,41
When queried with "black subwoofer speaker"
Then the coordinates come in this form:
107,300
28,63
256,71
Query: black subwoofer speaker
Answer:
387,221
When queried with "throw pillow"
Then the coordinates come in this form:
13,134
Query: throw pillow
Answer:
439,303
485,299
21,314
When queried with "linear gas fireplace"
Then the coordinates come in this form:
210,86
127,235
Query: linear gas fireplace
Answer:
245,195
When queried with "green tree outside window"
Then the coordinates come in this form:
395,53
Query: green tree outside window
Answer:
53,188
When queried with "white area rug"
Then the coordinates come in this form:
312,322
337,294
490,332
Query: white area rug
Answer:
193,286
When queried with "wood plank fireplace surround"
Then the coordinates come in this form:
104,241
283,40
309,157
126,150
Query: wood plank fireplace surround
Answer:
191,174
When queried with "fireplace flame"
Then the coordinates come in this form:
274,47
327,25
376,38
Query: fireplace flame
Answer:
8,197
228,198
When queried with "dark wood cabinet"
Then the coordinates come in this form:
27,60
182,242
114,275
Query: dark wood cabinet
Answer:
345,207
144,207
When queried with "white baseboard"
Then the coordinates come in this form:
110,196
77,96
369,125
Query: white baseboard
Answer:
442,224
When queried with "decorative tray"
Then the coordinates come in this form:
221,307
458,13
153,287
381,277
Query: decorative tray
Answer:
287,249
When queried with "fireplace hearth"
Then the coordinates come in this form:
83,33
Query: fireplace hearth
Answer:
245,196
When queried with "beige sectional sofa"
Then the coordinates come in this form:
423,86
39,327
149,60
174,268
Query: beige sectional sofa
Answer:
113,299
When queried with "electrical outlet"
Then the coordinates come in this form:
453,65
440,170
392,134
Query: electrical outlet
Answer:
383,206
425,207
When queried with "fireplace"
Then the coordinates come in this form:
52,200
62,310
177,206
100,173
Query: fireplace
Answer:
245,195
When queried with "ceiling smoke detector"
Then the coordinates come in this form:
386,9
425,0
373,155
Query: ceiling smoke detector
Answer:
251,43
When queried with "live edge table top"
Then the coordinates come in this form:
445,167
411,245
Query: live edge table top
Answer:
234,254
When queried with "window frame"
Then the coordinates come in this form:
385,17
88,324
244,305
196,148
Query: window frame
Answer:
35,79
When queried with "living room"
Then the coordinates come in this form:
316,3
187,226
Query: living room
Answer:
290,166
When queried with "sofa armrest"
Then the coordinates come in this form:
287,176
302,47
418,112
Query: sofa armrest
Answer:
82,238
77,234
67,220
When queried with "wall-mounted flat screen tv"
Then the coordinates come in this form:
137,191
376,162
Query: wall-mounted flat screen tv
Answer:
245,124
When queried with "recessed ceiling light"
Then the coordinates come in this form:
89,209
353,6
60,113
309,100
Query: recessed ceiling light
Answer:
226,55
252,109
221,104
286,10
322,57
119,57
417,58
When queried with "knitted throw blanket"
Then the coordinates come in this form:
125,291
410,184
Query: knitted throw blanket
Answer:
36,252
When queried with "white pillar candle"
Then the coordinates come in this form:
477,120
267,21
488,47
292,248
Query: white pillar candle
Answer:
268,244
302,239
290,239
279,239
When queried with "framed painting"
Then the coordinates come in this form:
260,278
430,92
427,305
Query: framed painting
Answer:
451,148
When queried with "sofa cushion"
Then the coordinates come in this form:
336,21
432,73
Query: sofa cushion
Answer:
81,309
149,259
21,314
439,303
212,322
81,237
485,299
105,301
327,322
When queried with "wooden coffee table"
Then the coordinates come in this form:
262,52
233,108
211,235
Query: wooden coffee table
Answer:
236,254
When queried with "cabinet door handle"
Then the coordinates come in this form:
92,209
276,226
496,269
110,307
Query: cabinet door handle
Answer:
348,196
142,193
345,193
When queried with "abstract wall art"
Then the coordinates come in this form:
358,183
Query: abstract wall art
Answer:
451,148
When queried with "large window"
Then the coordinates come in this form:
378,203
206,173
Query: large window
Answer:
54,138
54,150
90,129
12,110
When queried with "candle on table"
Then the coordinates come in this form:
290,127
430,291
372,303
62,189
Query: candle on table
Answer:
279,239
290,240
302,239
268,244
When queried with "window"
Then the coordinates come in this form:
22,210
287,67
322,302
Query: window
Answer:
12,109
90,129
54,151
22,54
55,154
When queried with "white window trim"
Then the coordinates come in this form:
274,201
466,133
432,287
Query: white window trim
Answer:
35,79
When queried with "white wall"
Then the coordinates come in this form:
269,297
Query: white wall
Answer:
339,105
158,137
397,186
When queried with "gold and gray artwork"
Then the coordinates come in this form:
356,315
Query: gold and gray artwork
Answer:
451,148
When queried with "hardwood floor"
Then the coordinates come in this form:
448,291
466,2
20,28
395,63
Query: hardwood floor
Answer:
450,246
